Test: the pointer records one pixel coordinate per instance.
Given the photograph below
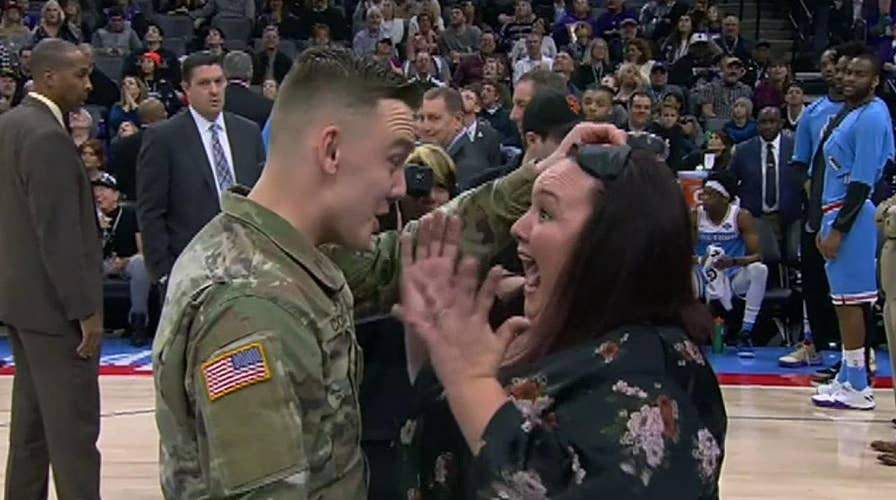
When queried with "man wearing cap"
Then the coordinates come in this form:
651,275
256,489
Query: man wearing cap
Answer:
717,99
123,251
659,84
695,67
9,94
628,31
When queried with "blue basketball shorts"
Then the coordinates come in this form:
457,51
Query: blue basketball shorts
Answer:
853,274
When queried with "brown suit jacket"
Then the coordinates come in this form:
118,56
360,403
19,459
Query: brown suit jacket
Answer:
50,255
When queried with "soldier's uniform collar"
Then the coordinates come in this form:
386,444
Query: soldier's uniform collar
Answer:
236,204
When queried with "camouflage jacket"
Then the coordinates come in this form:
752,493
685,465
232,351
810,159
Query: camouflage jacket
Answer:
255,362
256,367
487,213
886,223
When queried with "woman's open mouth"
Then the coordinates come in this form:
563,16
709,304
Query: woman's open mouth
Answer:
530,272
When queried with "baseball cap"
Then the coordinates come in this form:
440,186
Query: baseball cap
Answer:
629,20
763,43
12,4
549,110
733,60
659,66
699,38
8,71
156,58
106,180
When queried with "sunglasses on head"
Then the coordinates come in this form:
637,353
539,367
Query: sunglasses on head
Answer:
608,162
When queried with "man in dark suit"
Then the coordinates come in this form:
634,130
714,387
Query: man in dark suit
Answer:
51,284
480,131
123,151
186,162
442,123
769,189
238,98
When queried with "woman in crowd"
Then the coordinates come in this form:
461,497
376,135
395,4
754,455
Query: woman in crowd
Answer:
583,37
742,126
771,92
473,14
392,25
638,52
93,157
277,13
53,25
712,23
715,155
565,65
630,81
595,64
133,91
13,31
74,21
548,46
600,390
151,75
81,126
677,44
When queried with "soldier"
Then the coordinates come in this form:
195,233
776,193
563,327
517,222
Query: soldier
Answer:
256,365
885,217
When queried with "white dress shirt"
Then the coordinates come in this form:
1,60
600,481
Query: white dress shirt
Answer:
203,126
776,149
54,108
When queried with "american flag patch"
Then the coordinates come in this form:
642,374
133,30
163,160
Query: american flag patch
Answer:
235,370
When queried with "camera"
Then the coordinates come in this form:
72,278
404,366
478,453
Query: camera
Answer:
419,180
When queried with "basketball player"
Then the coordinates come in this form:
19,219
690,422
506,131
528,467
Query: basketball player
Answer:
855,155
720,222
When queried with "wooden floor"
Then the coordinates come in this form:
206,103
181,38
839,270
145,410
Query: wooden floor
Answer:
778,446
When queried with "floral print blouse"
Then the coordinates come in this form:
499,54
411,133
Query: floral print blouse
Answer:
635,414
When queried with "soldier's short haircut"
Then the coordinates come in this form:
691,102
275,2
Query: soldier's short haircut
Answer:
335,79
544,80
454,101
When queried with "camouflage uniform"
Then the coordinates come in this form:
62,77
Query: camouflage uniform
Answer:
886,225
487,213
255,362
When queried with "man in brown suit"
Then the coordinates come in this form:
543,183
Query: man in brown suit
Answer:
50,284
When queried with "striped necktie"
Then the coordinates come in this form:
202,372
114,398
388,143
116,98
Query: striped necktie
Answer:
222,168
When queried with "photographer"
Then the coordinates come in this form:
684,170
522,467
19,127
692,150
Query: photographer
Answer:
430,177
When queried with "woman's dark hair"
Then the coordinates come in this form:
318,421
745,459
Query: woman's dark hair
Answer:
632,263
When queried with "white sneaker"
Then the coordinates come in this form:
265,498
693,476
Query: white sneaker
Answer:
846,398
829,388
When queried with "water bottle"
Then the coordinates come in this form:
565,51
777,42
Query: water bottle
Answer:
718,337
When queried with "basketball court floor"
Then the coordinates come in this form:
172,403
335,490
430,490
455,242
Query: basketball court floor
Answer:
778,445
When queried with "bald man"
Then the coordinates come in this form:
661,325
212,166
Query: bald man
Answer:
50,284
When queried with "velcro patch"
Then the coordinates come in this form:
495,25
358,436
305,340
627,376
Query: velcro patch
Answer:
235,370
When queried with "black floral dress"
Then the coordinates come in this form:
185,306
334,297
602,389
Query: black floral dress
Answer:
635,414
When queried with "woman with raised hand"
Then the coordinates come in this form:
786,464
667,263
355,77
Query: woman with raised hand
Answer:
599,390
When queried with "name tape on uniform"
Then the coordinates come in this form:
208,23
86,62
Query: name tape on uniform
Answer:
235,370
